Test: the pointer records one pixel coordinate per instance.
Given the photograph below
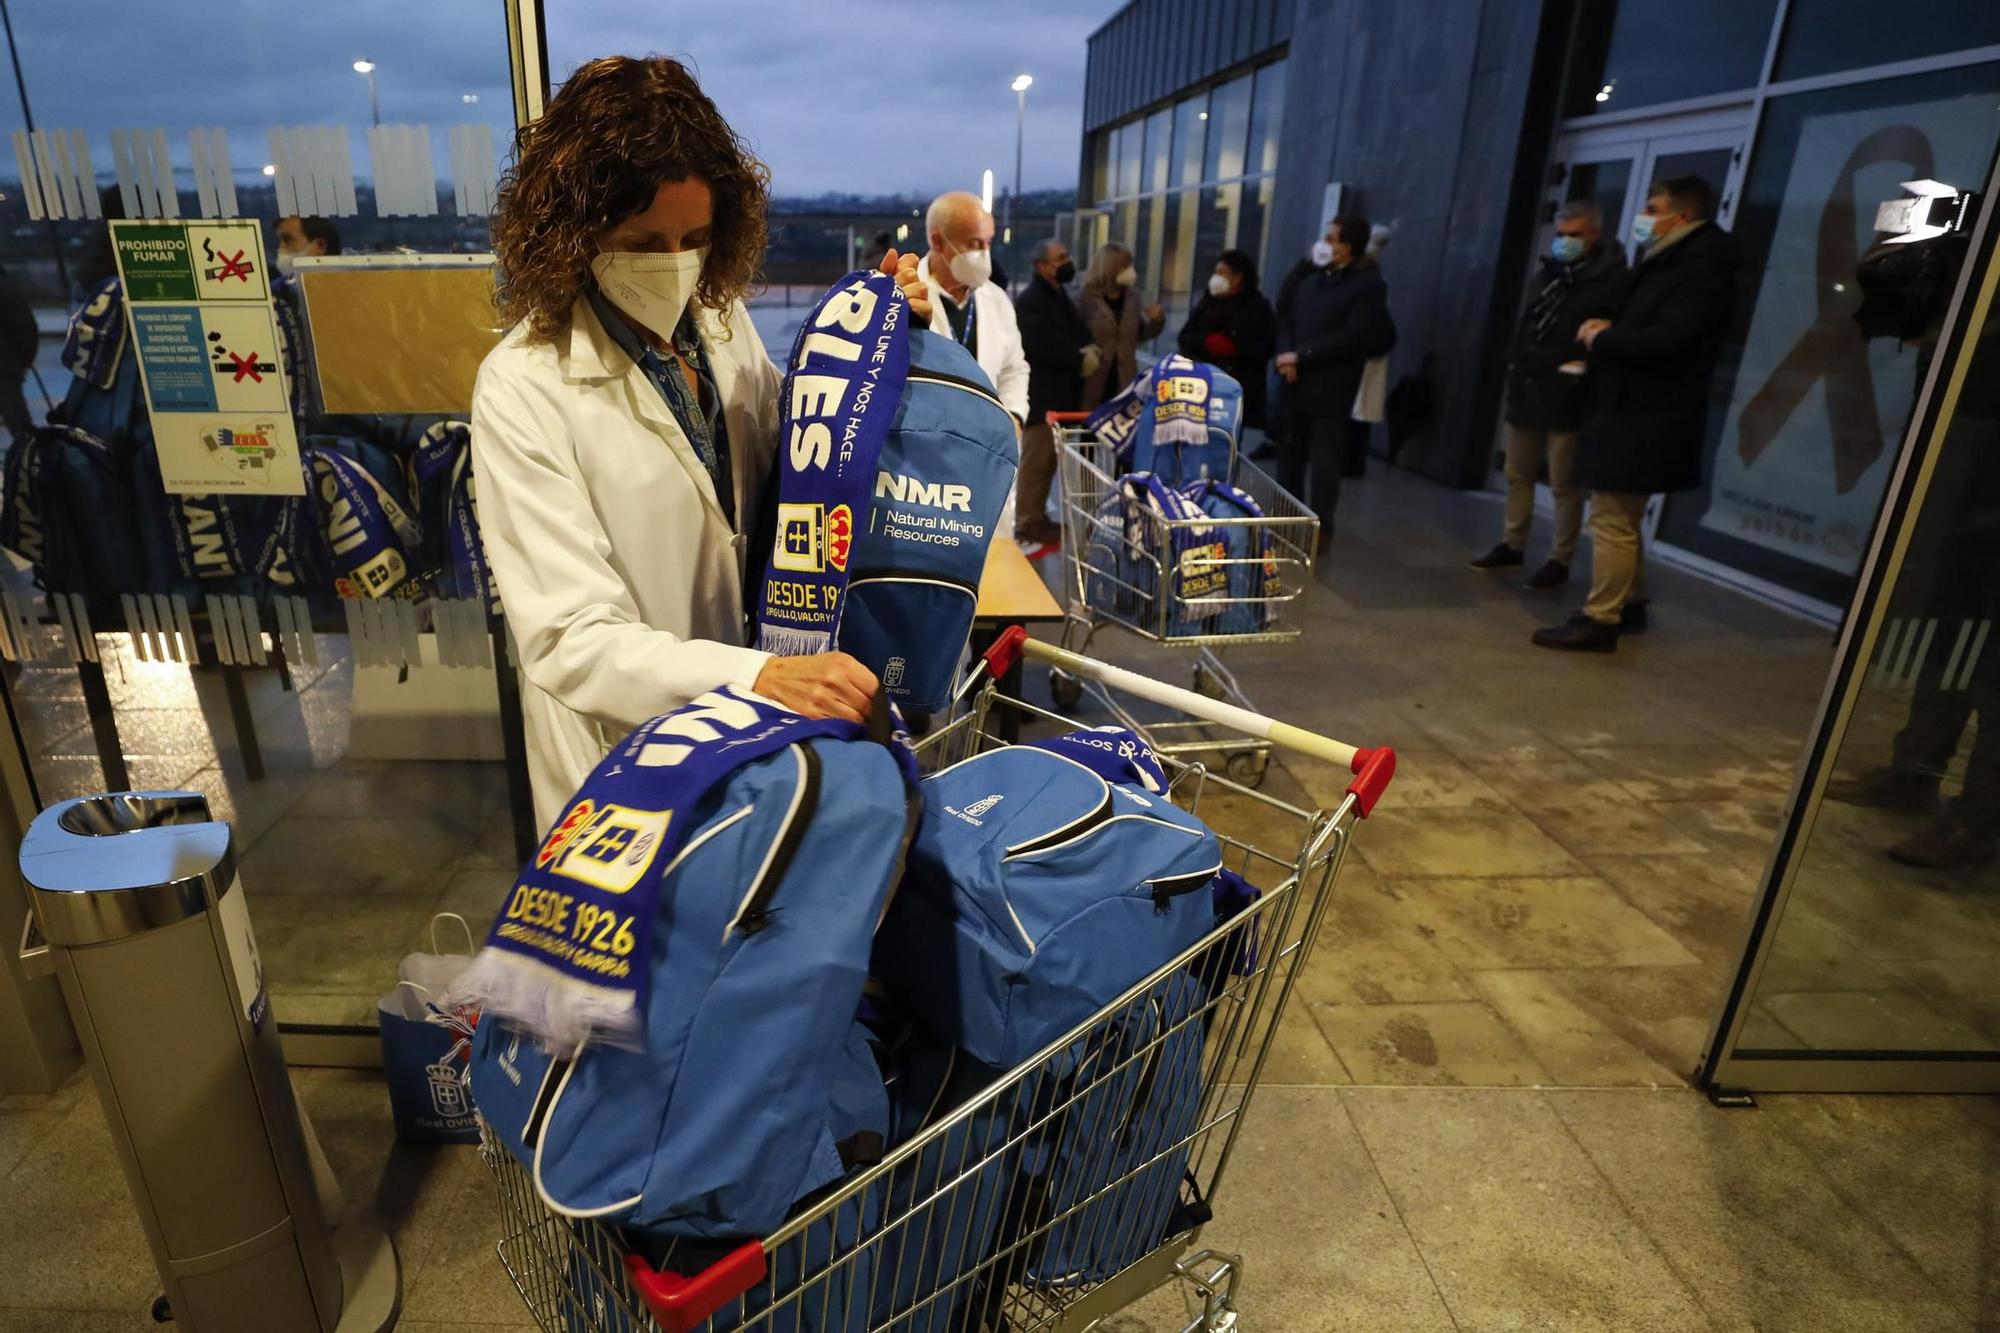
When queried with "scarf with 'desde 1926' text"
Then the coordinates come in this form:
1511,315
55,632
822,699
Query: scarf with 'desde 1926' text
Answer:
569,956
842,387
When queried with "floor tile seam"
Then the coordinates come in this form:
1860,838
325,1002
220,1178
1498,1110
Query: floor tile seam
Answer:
1689,1289
1324,1040
1416,1246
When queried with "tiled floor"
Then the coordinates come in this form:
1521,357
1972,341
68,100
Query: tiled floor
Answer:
1476,1115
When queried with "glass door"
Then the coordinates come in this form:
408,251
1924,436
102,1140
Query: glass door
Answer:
1874,958
347,716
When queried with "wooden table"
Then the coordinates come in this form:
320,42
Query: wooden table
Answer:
1011,592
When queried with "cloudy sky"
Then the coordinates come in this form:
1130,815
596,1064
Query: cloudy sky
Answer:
872,96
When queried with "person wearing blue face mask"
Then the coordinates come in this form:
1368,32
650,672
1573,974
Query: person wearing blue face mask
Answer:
1651,370
1583,277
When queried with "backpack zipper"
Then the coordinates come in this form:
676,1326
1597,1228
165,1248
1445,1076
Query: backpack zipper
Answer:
755,913
939,377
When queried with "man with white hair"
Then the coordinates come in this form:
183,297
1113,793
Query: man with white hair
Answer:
965,304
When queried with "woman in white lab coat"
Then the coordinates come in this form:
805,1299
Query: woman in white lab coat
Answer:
623,431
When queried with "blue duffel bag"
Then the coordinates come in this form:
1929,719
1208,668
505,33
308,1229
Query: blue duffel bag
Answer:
743,1101
1148,528
1038,889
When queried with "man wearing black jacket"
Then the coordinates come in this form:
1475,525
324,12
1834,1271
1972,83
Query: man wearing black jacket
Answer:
1650,372
20,341
1060,353
1582,278
1337,319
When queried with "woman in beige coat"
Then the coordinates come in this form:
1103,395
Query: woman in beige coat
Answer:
1110,305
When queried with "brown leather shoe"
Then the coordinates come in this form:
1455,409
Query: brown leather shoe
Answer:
1946,843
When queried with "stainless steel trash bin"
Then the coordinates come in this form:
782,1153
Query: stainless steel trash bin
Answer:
145,924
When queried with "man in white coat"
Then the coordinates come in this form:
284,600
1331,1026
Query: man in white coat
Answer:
968,307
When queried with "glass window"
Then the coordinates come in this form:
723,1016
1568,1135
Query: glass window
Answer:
1822,36
1605,184
1131,157
1100,166
1812,411
1125,222
351,827
1215,230
1190,123
1267,110
1159,149
1228,130
1254,226
1639,52
1177,267
1889,939
1152,239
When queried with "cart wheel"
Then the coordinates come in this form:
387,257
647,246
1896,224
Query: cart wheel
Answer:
1249,767
1223,1323
1064,688
163,1310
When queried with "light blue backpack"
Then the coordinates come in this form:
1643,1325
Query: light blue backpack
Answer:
1037,891
941,481
755,1086
1251,570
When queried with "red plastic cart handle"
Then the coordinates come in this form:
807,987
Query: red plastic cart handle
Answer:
683,1303
1058,418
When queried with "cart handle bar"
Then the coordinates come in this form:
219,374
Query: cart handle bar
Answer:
1373,767
680,1303
1062,418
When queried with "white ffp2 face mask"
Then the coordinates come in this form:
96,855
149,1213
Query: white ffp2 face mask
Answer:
653,289
1128,277
1218,285
972,267
1322,253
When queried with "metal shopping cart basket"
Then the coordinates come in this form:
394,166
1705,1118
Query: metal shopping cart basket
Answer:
1201,584
958,1229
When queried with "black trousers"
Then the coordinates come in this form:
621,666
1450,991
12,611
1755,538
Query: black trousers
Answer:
1318,442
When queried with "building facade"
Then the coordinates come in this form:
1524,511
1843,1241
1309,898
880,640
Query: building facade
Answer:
1464,124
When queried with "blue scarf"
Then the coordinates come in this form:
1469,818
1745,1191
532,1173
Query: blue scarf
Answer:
1113,753
1199,566
1116,419
368,531
441,477
570,955
1180,401
842,386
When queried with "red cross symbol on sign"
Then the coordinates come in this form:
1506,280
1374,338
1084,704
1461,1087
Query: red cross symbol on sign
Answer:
234,266
246,365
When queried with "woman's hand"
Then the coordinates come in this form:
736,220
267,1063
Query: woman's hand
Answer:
903,268
1586,332
822,685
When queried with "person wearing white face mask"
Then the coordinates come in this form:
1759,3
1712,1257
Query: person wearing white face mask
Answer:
1110,305
623,431
1232,327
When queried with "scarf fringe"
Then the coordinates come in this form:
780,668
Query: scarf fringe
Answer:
561,1011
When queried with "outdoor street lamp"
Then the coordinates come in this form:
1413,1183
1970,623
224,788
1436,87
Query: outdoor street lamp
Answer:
366,68
1020,85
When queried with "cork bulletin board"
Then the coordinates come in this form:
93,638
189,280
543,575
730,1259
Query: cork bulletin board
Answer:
399,333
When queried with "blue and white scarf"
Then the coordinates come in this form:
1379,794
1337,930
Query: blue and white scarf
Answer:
96,340
842,386
1116,754
368,531
1116,420
1199,560
1180,394
441,481
570,955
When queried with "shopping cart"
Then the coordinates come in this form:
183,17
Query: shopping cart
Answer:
896,1248
1199,584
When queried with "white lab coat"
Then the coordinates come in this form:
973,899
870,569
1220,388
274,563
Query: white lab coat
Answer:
999,334
622,580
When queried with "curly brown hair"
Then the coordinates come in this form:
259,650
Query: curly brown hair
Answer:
618,129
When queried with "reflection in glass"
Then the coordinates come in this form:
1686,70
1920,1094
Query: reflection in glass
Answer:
1159,145
1228,130
1812,405
1190,128
1177,268
1131,157
1822,36
1890,939
1216,229
1605,184
1100,166
1635,53
1264,117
